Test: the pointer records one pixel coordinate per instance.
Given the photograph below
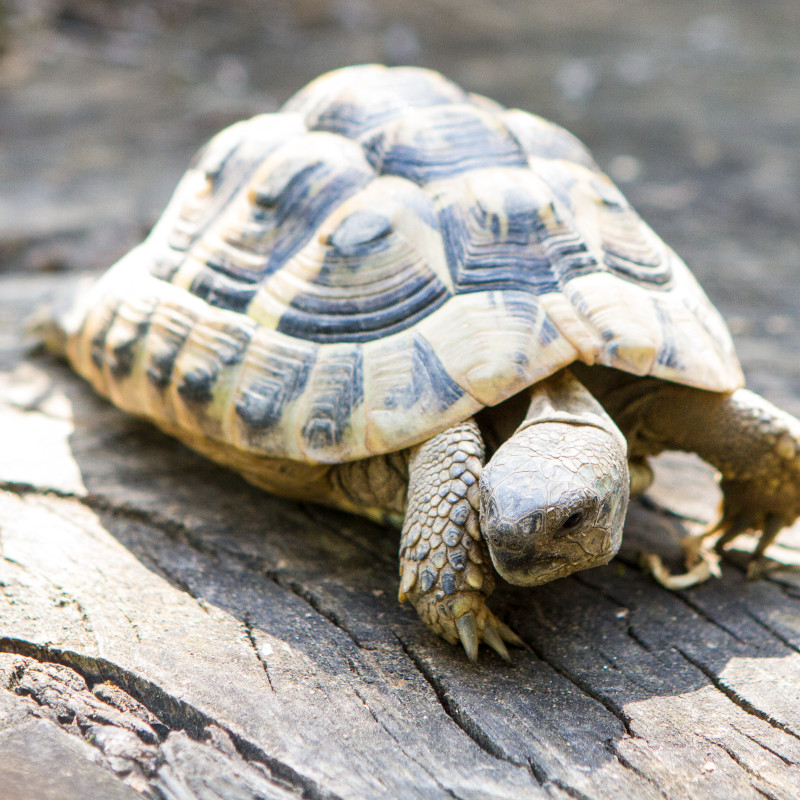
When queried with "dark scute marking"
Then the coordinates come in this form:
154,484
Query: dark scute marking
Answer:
162,360
120,359
338,389
358,231
400,301
349,325
229,268
196,385
281,193
668,355
283,376
230,344
301,206
528,256
234,345
429,372
353,119
97,345
227,172
430,383
222,292
448,582
523,306
160,369
641,267
548,332
441,143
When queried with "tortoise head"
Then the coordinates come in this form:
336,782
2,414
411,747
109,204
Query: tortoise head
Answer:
553,500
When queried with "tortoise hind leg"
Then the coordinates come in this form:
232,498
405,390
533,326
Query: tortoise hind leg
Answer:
444,564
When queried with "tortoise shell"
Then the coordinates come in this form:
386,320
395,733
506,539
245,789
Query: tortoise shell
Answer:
377,261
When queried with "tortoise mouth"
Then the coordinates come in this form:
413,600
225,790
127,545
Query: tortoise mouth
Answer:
561,559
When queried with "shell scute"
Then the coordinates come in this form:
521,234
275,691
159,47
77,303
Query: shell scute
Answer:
337,392
501,229
428,144
353,102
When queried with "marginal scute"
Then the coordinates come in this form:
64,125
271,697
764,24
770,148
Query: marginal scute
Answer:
274,374
337,392
376,262
124,337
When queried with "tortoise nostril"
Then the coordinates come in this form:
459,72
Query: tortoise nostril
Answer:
573,520
506,536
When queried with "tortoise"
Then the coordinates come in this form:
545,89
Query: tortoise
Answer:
407,301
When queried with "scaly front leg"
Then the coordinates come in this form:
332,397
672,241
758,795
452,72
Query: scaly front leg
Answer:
445,568
754,445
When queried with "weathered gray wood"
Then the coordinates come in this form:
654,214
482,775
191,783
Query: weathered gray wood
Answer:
168,631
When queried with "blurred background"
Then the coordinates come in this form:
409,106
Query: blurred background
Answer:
692,107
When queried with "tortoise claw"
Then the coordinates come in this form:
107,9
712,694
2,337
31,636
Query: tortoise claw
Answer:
508,634
492,632
467,629
493,637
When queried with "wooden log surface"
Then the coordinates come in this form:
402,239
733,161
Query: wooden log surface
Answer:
168,631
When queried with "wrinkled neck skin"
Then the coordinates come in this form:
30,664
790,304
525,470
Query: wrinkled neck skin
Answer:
555,494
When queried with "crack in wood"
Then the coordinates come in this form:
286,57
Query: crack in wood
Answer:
613,747
586,689
742,764
453,712
765,793
174,714
305,594
570,791
735,698
684,598
177,714
248,627
99,504
176,530
769,629
734,756
612,708
399,743
787,761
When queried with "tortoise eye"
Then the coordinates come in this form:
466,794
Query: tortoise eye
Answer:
572,521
